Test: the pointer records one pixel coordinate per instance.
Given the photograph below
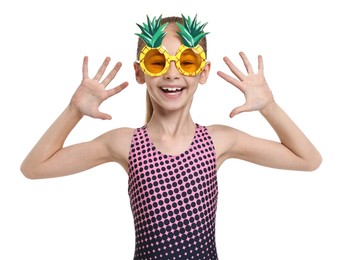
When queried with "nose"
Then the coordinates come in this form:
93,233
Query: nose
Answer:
172,72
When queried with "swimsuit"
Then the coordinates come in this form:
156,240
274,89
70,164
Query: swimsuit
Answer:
173,198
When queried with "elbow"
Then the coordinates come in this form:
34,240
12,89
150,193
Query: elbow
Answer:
314,164
27,172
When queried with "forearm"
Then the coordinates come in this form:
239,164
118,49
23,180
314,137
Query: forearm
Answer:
52,141
291,136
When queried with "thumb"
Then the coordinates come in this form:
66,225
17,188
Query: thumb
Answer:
238,110
102,116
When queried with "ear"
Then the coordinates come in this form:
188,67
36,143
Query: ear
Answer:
139,75
205,73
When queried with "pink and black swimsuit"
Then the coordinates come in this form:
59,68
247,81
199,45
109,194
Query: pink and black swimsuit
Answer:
173,199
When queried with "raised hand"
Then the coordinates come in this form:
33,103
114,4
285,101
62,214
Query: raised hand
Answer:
92,92
253,85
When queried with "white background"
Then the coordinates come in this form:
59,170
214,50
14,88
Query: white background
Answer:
262,213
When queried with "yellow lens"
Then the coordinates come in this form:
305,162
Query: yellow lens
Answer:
190,61
154,61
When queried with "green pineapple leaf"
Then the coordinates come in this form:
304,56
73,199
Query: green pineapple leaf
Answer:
152,32
191,31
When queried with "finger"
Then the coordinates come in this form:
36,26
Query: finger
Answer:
100,115
260,65
85,67
112,74
238,110
231,80
233,68
102,69
118,89
246,62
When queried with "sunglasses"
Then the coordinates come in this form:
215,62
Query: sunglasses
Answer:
188,61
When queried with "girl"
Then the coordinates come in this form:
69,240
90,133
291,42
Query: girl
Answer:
171,161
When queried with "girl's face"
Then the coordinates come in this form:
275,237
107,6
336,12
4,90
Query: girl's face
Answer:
172,90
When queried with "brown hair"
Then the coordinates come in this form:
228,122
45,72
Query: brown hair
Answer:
141,44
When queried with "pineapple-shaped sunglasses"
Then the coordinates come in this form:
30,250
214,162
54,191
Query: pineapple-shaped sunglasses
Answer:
190,58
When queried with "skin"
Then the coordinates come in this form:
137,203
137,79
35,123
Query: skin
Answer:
171,127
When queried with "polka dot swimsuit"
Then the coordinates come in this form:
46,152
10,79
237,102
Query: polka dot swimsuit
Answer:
173,199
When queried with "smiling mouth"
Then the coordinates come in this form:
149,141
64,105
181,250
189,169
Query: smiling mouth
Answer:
171,91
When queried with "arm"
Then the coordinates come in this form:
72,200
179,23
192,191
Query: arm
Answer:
49,158
294,151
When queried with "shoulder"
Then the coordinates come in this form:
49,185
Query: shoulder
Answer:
119,138
225,139
117,143
233,143
123,132
221,133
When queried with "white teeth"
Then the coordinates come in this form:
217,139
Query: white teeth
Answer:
172,89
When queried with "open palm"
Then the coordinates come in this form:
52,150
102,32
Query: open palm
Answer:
253,85
92,92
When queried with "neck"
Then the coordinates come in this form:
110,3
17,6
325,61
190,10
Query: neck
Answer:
172,132
171,122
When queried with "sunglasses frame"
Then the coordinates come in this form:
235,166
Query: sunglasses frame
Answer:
169,58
